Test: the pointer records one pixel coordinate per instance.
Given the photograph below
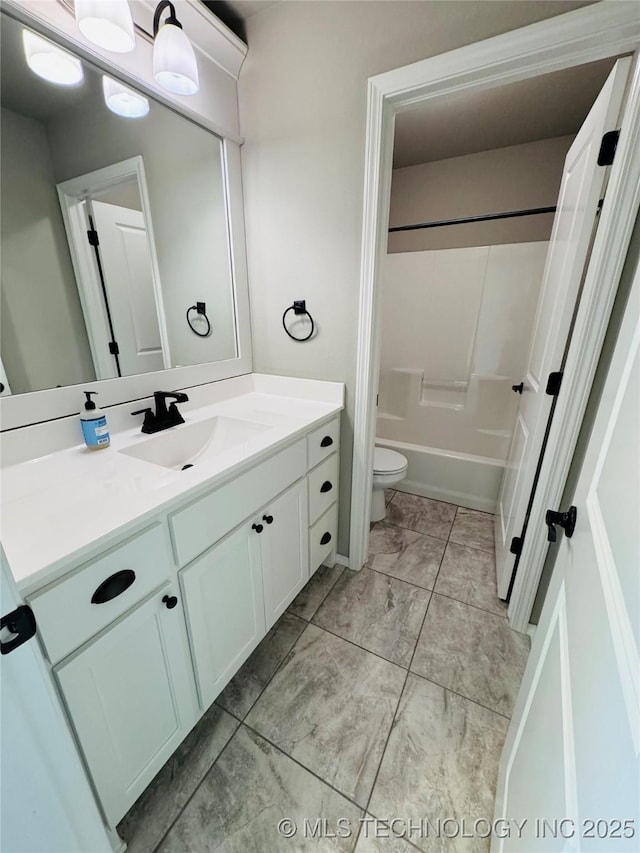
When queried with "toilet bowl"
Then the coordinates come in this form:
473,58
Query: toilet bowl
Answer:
389,468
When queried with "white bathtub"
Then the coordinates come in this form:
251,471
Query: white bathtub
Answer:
458,478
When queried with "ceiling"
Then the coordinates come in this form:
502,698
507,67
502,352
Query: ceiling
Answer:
468,122
234,13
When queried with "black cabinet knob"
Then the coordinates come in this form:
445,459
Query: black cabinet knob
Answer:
326,538
326,486
327,441
518,388
268,519
170,601
257,527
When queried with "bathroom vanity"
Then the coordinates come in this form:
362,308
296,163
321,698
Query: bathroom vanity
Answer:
151,583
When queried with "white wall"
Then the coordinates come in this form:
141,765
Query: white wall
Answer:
514,178
302,94
40,303
456,331
185,183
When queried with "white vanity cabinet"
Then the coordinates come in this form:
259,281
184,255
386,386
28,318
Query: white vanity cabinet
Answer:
224,605
284,552
129,694
143,637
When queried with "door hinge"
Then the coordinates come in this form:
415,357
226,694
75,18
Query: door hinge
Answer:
377,399
608,147
516,546
114,349
22,623
92,237
553,383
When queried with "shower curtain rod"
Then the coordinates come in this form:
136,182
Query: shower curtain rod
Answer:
510,214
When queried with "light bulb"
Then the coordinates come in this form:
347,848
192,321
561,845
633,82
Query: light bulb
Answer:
122,100
174,61
50,62
107,23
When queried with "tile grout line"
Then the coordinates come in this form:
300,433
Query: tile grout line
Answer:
197,788
300,764
401,694
324,598
461,695
362,648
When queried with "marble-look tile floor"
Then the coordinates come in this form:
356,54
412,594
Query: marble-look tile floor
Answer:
379,695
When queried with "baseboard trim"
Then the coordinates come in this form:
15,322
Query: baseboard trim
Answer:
343,561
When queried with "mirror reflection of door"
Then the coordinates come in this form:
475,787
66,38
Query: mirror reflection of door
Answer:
128,287
110,235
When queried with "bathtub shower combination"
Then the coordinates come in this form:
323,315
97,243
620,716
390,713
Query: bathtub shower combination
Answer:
456,331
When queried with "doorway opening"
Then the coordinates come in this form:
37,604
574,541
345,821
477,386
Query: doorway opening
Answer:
449,392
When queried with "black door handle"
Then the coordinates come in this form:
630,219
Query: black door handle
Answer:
257,527
518,388
20,622
268,519
326,486
327,441
566,520
326,537
170,601
114,586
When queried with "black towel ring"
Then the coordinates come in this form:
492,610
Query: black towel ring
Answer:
200,307
299,307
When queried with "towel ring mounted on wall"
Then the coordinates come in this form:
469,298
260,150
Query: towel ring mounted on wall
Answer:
201,308
299,308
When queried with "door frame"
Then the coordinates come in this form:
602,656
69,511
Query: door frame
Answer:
575,38
73,194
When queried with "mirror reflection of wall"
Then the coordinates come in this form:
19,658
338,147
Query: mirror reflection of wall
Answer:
52,134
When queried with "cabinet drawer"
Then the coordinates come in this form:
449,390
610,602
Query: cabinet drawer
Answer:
323,441
199,525
65,613
323,487
322,538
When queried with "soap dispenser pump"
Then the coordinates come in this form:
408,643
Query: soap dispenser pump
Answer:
94,425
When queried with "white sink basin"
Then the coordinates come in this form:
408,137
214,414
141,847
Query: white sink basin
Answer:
189,444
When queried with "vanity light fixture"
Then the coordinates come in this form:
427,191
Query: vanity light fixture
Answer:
50,62
174,61
106,23
122,100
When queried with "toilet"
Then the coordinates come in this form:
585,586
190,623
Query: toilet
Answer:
389,468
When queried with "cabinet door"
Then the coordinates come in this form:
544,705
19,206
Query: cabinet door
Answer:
131,699
225,609
284,550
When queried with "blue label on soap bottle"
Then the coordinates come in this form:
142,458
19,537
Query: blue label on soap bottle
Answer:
96,433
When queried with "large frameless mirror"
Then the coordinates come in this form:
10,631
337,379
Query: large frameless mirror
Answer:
114,232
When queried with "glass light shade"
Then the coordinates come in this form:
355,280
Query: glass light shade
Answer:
51,63
107,23
174,62
122,100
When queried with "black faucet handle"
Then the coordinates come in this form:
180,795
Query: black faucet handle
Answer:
149,419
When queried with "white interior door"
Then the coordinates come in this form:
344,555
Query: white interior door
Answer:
46,802
580,192
126,264
573,747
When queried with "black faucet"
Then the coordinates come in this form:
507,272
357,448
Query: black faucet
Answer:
163,417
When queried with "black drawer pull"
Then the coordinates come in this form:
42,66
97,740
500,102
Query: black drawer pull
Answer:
326,486
268,519
327,441
169,601
113,586
326,538
257,527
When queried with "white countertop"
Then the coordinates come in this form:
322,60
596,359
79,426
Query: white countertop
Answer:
59,509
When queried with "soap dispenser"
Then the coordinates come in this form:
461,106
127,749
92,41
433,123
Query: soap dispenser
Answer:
94,425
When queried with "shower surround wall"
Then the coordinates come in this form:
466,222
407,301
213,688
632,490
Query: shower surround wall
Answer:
456,332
